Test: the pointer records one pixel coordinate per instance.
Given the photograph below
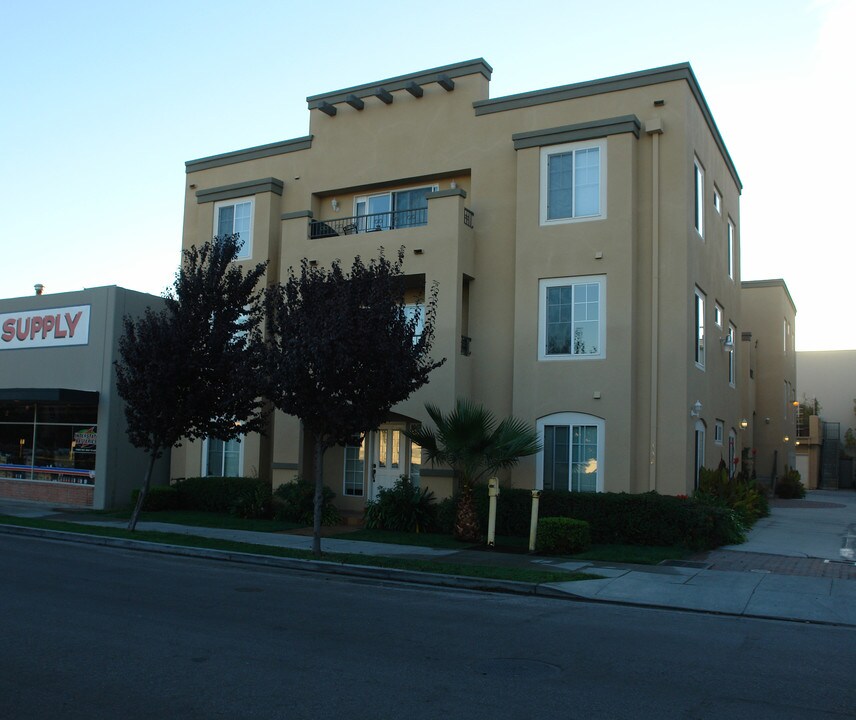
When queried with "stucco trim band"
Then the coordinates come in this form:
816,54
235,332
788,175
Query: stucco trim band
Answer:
251,187
296,214
580,131
253,153
401,82
655,76
452,192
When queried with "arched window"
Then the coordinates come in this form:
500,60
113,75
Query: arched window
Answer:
572,454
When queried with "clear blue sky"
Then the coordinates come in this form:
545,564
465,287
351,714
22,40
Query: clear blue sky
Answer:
104,101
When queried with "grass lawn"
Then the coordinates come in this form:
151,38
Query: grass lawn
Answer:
431,540
445,568
635,554
200,519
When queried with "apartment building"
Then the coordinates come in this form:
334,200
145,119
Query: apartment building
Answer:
586,243
768,430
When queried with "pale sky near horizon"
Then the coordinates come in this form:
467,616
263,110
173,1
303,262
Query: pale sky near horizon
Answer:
105,101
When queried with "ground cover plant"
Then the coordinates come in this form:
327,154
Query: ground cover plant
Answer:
789,486
741,494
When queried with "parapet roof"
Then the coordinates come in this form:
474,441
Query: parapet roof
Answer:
445,74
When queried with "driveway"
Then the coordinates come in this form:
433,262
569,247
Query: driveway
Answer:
822,525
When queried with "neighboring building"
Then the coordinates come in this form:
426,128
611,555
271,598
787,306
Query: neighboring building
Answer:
828,378
586,242
62,426
768,429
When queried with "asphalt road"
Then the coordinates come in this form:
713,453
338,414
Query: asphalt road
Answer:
91,632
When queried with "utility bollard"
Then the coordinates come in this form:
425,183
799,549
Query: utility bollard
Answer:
533,523
493,492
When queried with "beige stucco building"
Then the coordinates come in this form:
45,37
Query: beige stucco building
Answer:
768,379
586,243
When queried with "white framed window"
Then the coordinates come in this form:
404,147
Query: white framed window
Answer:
717,200
393,209
572,314
572,454
700,430
573,182
699,328
786,336
233,217
717,315
222,458
416,310
354,472
732,366
698,192
718,432
729,248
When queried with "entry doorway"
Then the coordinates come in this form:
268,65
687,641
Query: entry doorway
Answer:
391,457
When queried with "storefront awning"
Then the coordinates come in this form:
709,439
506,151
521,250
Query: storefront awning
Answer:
49,395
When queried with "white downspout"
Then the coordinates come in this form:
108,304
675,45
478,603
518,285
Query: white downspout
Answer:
654,128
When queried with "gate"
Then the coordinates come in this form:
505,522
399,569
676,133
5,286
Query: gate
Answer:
829,456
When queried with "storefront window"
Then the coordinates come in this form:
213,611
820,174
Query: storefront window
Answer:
53,442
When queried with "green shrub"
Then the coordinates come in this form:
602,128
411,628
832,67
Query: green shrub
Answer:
790,486
618,518
241,496
743,495
445,516
562,536
295,502
403,508
158,498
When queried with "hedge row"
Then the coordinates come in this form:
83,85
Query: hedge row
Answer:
240,496
631,519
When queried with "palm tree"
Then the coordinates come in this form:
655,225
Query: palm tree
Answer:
469,441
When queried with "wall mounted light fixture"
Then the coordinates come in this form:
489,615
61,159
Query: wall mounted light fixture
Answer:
335,203
695,410
744,423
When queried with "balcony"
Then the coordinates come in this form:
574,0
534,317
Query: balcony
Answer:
375,222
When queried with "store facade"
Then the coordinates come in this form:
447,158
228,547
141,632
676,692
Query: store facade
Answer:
63,435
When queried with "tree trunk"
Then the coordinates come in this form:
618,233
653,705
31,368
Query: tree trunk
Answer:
319,496
466,519
141,498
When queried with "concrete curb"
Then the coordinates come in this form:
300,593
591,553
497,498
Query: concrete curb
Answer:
394,575
324,566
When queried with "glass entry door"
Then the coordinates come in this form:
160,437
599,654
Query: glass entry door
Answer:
388,458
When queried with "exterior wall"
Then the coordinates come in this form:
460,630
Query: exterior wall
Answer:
771,433
485,156
119,466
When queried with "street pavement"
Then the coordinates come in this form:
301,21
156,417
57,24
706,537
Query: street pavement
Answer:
796,564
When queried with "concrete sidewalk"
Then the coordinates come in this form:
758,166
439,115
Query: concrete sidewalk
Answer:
827,597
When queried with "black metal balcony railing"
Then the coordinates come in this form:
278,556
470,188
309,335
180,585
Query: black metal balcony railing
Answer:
374,222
